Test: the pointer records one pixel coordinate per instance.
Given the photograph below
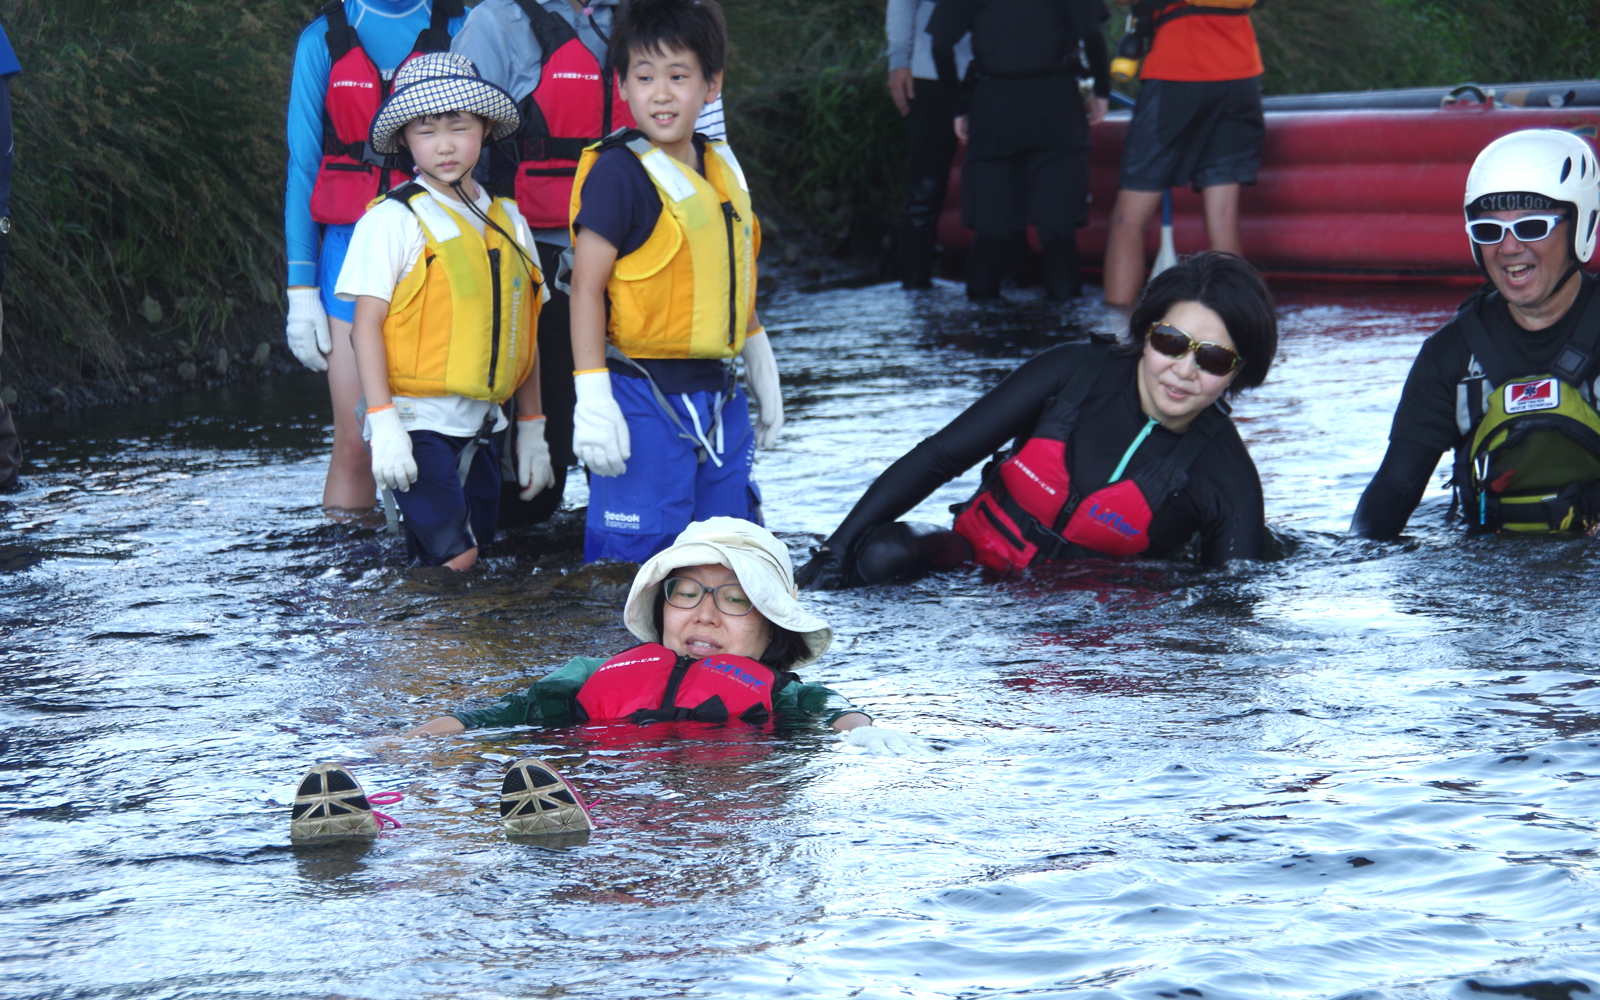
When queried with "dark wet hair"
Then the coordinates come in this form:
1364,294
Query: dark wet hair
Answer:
1229,287
658,25
784,649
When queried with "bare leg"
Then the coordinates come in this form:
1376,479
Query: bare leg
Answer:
464,561
1222,217
1124,274
350,484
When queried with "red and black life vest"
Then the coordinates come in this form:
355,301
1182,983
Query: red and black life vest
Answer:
651,683
1028,511
575,104
351,174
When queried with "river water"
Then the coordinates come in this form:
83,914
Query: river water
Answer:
1358,770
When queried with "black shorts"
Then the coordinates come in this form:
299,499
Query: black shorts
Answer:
1201,132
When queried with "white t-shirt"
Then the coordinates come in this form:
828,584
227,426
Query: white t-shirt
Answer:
386,245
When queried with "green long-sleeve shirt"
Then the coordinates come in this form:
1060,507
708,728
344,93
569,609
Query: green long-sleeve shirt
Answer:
550,699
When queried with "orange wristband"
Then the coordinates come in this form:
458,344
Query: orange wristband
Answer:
536,416
380,409
590,371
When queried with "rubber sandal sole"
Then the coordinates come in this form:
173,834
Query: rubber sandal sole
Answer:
330,803
535,799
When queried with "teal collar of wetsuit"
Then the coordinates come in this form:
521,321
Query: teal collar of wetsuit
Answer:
1149,425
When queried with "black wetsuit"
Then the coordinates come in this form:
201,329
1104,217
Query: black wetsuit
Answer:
1426,421
1027,158
1221,501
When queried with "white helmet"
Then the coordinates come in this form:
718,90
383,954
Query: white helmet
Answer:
1558,165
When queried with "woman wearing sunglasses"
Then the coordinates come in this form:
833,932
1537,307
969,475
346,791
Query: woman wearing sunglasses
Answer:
1117,451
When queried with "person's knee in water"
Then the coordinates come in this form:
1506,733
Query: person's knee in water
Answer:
1117,452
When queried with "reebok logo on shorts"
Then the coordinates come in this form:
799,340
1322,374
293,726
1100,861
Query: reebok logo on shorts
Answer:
622,522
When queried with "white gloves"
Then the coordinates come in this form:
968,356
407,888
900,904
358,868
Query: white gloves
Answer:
761,373
392,464
308,328
533,458
599,430
881,739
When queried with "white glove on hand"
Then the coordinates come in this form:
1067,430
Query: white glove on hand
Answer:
599,430
392,464
308,328
534,474
881,739
761,374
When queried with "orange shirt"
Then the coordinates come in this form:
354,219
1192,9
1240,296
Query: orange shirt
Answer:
1202,47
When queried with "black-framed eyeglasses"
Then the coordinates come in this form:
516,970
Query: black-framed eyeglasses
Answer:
1213,359
1528,229
686,594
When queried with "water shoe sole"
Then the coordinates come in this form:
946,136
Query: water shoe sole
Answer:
536,799
330,803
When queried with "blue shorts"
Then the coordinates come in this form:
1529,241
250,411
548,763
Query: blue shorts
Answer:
335,244
444,519
637,514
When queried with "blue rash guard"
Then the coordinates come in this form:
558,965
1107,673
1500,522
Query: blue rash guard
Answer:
388,29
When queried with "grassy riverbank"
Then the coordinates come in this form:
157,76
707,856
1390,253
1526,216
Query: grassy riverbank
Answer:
149,171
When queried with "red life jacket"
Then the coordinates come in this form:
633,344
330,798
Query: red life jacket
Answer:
575,104
651,683
1028,511
351,174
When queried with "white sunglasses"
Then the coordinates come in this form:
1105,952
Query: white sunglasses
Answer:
1528,229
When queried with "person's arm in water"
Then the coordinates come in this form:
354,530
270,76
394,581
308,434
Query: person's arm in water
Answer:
1390,499
444,725
849,721
1007,410
1424,428
546,702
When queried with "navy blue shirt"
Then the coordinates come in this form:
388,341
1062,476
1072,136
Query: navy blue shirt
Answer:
621,203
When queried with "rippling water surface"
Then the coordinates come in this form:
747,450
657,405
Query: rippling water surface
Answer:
1358,770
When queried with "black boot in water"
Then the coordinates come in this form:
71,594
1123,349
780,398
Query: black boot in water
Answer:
1062,277
986,265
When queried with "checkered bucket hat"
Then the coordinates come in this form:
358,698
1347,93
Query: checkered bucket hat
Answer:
437,82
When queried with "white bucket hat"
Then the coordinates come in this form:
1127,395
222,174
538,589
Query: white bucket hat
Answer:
434,83
758,559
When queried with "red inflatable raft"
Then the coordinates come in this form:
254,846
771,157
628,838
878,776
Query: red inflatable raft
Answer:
1352,186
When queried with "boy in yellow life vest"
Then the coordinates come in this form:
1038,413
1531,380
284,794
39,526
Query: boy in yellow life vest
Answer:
447,299
663,298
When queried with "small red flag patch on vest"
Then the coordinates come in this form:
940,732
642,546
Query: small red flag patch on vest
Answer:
1543,394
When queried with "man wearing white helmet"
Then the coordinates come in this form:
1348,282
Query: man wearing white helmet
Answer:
1509,384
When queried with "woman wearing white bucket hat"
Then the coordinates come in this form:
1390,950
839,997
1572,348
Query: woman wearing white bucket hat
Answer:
721,627
721,630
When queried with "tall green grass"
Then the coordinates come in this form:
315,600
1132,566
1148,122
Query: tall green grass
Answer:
147,193
149,175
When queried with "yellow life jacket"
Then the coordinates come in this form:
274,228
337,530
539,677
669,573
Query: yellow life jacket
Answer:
689,290
462,322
